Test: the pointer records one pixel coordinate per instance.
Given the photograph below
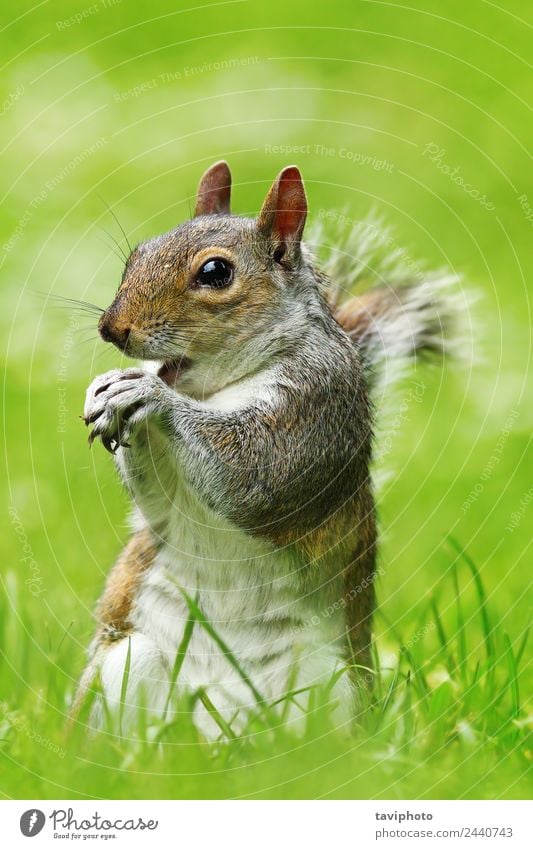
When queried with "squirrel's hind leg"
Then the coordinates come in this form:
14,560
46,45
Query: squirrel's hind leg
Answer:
131,675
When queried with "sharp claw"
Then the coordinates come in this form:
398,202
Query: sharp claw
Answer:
96,431
131,375
92,418
110,444
102,389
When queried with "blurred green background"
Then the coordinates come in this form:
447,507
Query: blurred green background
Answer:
421,112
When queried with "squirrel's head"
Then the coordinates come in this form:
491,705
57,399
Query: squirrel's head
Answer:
208,287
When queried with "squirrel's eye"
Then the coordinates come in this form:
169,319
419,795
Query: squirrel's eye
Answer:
215,273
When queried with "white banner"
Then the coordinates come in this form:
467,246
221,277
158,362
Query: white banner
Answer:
267,824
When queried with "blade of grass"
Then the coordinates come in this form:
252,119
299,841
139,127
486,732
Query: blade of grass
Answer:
291,683
416,670
389,694
521,648
475,675
441,633
124,687
290,694
408,718
226,651
55,666
363,683
377,684
3,627
215,715
66,633
405,652
178,661
337,675
142,715
461,638
513,676
480,589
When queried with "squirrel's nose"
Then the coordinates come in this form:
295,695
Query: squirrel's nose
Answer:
113,331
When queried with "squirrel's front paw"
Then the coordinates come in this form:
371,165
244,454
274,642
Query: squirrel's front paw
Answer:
118,401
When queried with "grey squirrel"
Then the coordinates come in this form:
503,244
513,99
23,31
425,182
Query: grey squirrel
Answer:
245,441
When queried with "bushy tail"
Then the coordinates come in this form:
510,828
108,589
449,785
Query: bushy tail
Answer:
391,325
400,311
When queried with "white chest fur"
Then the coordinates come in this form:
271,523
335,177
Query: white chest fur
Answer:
251,595
250,592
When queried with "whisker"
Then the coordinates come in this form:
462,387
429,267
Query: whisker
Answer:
109,209
100,353
84,311
68,303
84,327
121,256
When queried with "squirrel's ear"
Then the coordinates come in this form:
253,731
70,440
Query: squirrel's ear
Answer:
284,210
214,190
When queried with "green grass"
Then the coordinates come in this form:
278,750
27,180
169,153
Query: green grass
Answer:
444,718
450,710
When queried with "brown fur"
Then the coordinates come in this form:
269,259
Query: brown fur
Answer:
152,296
114,607
115,604
357,314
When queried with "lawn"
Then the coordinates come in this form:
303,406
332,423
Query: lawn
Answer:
420,114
